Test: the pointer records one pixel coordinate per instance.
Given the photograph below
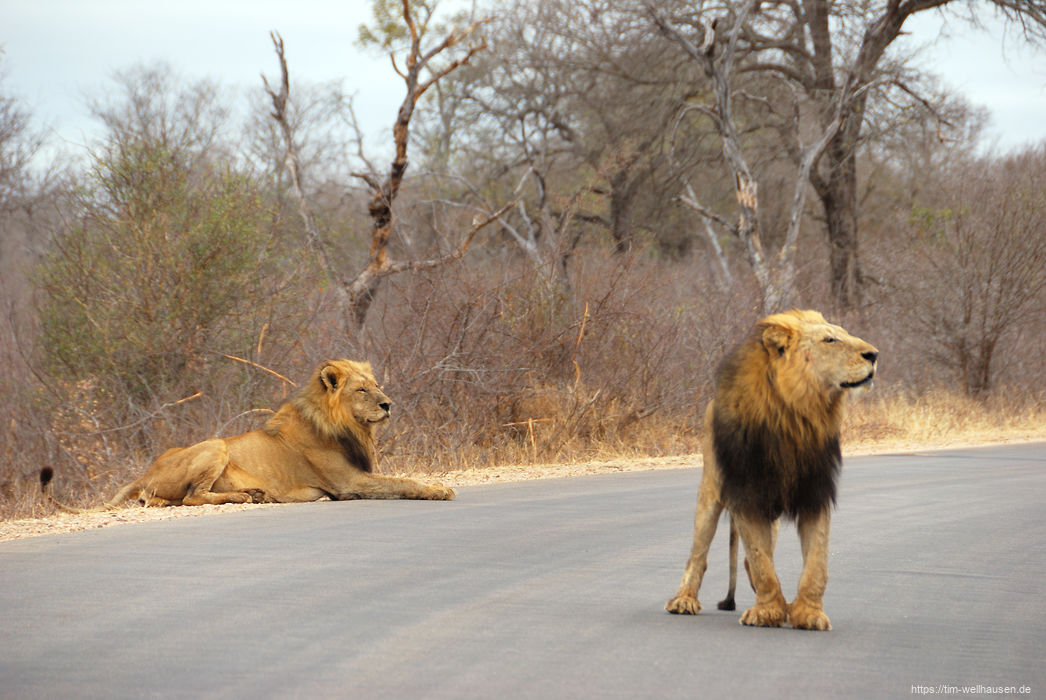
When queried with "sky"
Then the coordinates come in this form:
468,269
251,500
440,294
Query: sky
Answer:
59,52
993,67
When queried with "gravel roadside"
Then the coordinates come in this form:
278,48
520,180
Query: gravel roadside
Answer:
67,522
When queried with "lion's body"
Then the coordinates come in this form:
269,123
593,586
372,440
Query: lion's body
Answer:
321,443
772,449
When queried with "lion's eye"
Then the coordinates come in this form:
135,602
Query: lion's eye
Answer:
830,339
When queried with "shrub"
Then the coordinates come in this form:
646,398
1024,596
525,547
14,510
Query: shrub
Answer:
162,263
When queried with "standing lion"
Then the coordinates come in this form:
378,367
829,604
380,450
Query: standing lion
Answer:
320,443
771,449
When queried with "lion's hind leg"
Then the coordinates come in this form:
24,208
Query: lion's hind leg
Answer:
705,522
202,464
728,603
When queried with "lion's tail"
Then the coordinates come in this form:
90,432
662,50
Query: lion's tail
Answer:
728,602
47,475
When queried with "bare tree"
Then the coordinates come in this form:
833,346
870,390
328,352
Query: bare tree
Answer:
575,88
19,143
836,55
157,107
719,58
834,58
420,72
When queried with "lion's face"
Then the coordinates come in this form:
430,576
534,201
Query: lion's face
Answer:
352,390
808,351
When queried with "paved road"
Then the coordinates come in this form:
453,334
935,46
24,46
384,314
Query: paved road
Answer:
543,589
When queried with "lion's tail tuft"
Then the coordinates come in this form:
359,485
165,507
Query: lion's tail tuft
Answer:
46,477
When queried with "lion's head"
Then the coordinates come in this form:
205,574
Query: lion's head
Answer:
342,401
813,361
350,393
351,390
778,410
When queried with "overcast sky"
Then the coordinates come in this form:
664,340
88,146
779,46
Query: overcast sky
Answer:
58,52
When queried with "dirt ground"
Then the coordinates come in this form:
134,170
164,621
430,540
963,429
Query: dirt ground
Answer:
66,522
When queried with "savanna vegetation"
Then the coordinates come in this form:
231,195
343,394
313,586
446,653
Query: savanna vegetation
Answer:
582,205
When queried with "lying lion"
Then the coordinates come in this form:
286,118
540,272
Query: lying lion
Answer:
320,443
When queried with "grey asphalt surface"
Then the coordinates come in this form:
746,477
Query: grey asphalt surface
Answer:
543,589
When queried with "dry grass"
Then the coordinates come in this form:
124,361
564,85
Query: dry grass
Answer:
876,424
941,418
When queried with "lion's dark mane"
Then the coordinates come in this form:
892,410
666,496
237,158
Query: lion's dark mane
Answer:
764,476
350,443
356,453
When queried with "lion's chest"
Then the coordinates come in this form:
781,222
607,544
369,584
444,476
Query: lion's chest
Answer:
767,473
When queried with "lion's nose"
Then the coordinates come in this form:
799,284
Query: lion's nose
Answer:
386,406
871,355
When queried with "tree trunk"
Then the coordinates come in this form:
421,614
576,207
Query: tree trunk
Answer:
835,181
622,192
838,194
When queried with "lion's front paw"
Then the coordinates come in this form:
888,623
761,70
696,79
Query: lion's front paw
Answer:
804,616
439,492
683,605
771,615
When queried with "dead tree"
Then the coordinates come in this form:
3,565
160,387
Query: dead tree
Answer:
717,56
357,293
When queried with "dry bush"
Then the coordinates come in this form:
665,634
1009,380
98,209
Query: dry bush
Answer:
487,367
969,292
26,440
96,439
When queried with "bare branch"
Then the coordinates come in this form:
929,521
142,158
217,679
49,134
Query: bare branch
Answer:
291,161
369,179
699,54
263,368
926,105
392,59
452,66
479,223
690,200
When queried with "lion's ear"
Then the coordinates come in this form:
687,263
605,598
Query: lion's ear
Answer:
330,377
777,338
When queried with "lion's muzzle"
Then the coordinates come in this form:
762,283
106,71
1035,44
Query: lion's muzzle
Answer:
862,382
872,357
